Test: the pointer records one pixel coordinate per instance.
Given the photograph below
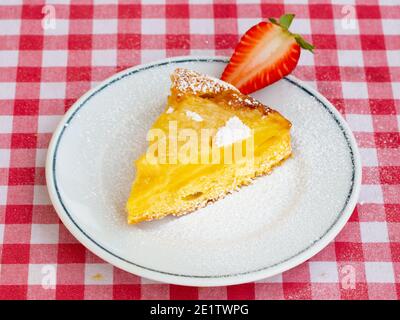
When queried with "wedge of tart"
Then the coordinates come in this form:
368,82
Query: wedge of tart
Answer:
210,140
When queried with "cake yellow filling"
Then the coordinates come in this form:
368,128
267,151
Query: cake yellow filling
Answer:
209,141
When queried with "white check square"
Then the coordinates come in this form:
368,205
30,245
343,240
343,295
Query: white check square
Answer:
55,58
369,157
302,26
374,232
7,90
3,195
201,26
306,59
343,1
245,24
379,272
153,26
1,233
393,58
52,90
59,1
44,233
156,1
43,274
391,26
396,90
152,55
98,274
371,194
388,2
8,58
10,26
275,279
11,2
360,122
350,58
48,124
324,272
6,124
104,57
354,90
289,1
199,1
202,52
4,157
147,281
61,27
348,25
105,26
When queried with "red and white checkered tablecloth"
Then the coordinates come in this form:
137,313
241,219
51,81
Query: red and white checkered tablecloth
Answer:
52,51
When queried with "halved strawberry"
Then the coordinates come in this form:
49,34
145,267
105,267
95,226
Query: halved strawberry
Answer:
266,53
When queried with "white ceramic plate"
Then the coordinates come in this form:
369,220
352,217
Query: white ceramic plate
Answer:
264,229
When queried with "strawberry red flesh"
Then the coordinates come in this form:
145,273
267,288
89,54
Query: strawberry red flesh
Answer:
266,53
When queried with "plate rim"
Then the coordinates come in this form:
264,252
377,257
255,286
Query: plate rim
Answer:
189,280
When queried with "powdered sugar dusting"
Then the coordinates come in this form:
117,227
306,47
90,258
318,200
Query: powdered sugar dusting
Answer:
233,131
190,81
194,116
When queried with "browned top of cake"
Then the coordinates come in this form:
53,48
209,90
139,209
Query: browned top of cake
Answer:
186,81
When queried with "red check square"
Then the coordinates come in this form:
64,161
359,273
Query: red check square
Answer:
129,41
327,73
32,11
244,291
225,11
382,106
297,291
368,12
272,10
377,74
28,74
129,11
324,41
18,214
15,254
81,11
126,292
175,11
31,42
79,42
387,139
225,41
21,176
182,293
178,41
79,73
321,11
71,253
11,292
372,42
70,292
349,251
23,140
26,107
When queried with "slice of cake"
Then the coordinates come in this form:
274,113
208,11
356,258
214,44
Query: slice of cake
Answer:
210,140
